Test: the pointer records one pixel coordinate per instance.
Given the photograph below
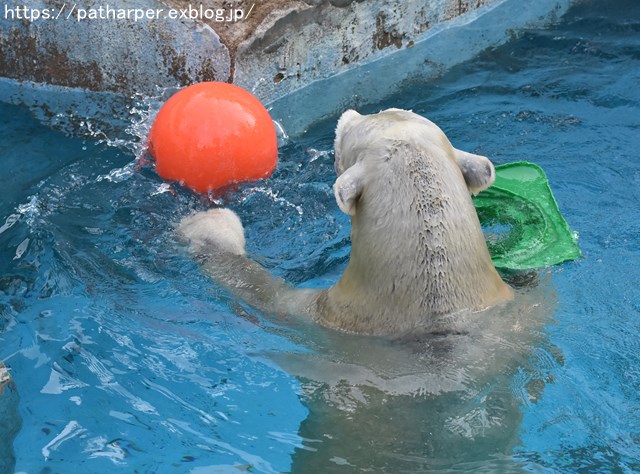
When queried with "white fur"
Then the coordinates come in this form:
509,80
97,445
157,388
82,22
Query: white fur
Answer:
477,170
215,228
347,189
418,254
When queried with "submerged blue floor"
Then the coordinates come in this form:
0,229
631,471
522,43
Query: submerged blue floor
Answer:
110,357
125,357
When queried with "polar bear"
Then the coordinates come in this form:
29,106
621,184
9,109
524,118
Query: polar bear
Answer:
418,254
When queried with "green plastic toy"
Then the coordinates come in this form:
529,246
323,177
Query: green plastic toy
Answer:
522,222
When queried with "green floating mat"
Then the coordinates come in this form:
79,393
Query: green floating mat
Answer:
522,222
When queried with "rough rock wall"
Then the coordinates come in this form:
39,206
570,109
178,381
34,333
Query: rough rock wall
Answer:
284,45
47,41
440,48
306,59
272,47
337,36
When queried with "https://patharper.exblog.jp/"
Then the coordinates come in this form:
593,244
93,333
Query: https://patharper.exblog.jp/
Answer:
107,12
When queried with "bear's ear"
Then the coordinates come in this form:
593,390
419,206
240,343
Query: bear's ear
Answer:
477,170
346,121
348,188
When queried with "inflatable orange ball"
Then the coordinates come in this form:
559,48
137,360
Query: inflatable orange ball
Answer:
213,134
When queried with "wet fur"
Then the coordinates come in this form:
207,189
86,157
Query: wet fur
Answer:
418,253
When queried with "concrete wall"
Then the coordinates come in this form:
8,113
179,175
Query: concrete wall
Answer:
440,48
287,52
306,42
124,56
273,47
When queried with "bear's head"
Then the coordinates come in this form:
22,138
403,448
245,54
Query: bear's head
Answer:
369,141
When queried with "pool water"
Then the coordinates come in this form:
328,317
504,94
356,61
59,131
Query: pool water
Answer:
125,357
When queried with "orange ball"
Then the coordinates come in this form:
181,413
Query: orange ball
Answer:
213,134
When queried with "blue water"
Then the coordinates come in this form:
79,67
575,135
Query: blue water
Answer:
126,357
